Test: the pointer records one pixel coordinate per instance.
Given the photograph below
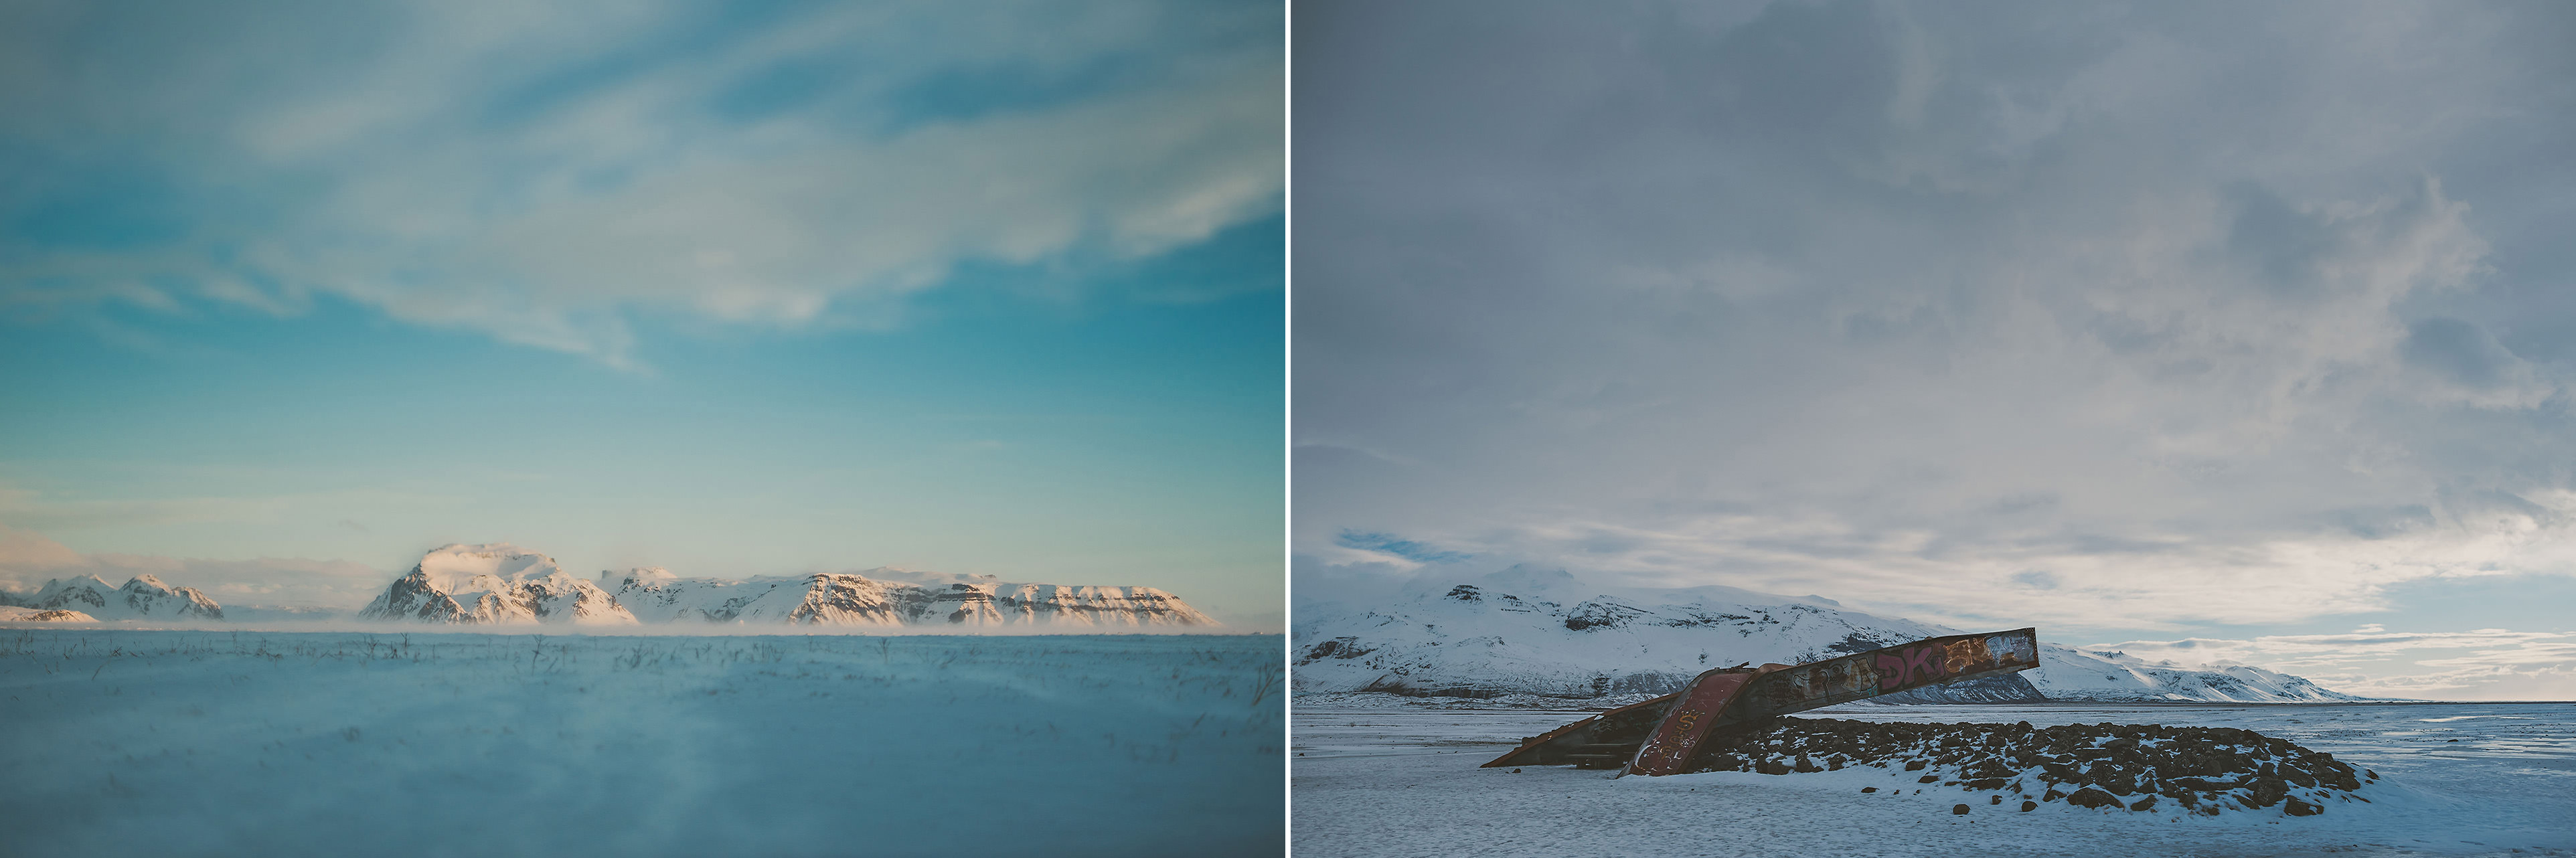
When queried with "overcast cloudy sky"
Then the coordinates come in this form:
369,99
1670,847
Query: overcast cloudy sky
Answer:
2214,331
735,288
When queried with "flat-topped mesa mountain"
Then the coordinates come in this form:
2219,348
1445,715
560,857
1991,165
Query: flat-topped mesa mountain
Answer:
887,596
143,597
1542,632
496,583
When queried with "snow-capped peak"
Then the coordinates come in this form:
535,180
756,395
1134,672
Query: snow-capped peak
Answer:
494,583
455,568
612,579
142,597
62,587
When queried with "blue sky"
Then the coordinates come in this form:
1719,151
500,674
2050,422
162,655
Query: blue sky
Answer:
734,289
2208,331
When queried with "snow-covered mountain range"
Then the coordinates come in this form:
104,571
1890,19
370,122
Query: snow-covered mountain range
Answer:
1542,632
497,583
142,597
887,596
502,583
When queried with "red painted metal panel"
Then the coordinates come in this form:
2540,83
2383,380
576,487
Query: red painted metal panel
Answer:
1650,710
1674,740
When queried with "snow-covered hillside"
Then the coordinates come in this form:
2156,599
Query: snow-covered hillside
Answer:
143,597
497,583
656,595
1542,632
881,597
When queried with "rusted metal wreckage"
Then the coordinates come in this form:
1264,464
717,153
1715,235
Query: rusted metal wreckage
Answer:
1659,736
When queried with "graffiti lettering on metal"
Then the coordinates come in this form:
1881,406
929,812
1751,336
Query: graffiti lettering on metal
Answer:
1667,730
1895,670
1712,698
1933,661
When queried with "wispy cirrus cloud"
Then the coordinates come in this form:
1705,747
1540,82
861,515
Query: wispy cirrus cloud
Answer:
1407,549
544,175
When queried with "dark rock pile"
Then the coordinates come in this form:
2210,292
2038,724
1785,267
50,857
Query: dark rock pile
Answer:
2135,766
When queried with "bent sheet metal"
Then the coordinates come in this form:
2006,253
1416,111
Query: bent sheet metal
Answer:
1659,736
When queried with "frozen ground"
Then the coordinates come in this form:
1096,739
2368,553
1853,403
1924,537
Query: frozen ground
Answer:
1374,779
178,743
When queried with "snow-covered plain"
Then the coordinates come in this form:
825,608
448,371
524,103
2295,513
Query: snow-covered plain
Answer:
126,742
1381,775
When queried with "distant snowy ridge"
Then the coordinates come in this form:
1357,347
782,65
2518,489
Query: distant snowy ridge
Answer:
494,584
871,598
1530,631
2071,674
15,614
143,597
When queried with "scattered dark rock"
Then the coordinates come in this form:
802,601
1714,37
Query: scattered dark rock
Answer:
2130,766
1516,771
2028,806
2093,797
2301,808
1868,789
1958,810
2269,791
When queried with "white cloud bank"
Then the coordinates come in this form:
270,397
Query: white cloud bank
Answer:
2487,663
2126,317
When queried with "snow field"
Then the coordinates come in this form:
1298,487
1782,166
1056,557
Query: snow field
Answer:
436,743
1389,781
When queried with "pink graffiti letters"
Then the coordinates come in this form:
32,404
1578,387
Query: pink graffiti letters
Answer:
1929,658
1899,669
